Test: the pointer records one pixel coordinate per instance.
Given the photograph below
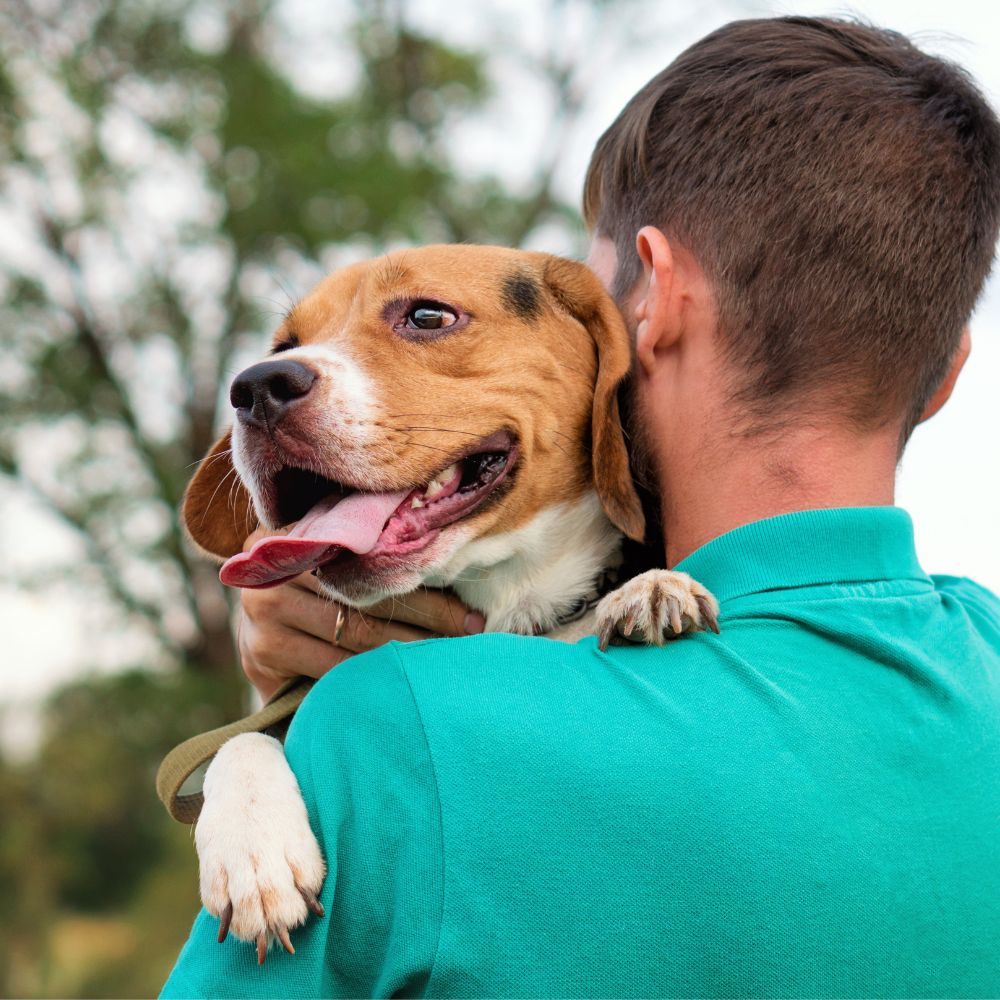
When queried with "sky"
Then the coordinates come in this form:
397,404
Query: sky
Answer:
950,476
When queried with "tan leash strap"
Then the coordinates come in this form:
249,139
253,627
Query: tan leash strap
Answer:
179,779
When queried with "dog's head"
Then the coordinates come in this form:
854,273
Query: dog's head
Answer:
414,404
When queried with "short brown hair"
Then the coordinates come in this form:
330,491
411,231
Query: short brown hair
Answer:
840,188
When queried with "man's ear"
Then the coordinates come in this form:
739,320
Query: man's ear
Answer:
578,291
656,326
943,392
217,510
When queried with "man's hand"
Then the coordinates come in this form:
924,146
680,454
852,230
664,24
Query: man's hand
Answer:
289,631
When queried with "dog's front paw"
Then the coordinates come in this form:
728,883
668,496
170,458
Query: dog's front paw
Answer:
261,869
656,606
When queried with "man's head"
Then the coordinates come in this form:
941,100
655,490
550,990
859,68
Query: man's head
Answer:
840,191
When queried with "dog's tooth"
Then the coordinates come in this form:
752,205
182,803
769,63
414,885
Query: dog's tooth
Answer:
438,483
416,502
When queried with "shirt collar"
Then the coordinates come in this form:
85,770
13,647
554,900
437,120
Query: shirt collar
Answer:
808,548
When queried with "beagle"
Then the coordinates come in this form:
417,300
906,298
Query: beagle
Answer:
443,416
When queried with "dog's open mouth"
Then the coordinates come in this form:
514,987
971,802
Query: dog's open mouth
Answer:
335,520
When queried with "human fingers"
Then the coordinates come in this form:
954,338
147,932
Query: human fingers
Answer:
293,606
296,609
436,611
284,633
359,631
293,654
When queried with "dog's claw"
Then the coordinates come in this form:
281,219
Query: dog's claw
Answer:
605,634
286,941
261,948
312,902
707,613
224,921
675,617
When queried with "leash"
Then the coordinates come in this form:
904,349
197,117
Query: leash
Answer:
180,776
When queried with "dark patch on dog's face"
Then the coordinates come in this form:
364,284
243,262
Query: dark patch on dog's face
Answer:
522,295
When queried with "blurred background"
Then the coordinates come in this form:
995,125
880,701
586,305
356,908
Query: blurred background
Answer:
173,175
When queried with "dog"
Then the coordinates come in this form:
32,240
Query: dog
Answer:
442,416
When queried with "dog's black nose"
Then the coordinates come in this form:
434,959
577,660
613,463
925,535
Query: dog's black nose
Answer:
262,393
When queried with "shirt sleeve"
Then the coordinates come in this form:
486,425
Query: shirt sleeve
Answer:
358,749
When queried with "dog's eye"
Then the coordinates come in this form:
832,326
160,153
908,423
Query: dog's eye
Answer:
424,320
430,316
287,343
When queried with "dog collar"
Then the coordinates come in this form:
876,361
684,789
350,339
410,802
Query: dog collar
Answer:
606,582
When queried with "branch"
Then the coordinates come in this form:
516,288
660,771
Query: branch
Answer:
93,341
203,417
569,98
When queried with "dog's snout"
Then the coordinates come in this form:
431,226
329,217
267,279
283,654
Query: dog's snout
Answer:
261,394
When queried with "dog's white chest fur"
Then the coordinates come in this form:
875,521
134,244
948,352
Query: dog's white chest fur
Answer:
526,581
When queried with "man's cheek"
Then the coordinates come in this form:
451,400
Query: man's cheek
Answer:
637,424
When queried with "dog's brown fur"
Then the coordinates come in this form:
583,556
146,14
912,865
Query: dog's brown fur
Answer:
543,355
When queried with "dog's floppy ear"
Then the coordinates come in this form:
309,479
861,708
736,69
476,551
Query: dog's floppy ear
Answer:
217,510
578,290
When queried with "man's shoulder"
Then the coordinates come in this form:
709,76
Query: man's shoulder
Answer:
981,603
502,666
489,678
441,668
490,651
384,680
966,589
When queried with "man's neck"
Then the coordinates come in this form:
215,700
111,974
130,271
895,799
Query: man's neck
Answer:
724,487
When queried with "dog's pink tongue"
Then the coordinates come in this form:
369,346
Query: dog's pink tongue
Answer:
353,523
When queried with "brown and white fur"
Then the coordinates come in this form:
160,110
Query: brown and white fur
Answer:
526,366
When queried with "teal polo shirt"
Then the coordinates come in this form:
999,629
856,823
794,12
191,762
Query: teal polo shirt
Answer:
807,805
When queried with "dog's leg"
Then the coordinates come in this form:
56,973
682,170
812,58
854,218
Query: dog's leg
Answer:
654,607
260,866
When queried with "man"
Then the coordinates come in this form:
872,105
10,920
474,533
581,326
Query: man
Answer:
796,216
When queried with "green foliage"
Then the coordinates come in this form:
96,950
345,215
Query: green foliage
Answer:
83,833
94,776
